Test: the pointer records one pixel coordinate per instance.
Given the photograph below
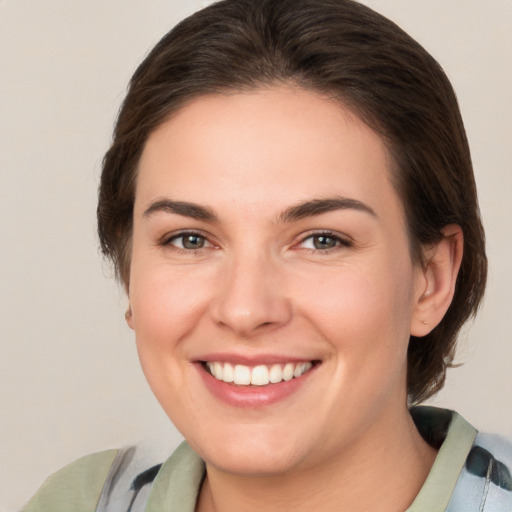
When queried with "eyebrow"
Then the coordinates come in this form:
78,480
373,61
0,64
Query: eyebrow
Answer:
293,213
319,206
184,208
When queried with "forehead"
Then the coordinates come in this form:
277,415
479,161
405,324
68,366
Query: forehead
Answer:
266,149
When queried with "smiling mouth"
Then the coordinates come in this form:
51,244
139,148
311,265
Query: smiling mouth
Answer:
261,375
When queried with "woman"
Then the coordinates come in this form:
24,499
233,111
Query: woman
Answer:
290,205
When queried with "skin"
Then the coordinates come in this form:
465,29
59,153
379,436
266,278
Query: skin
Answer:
258,286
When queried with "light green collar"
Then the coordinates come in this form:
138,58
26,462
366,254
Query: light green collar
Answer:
438,488
178,482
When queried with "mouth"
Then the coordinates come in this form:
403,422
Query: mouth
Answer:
259,375
255,382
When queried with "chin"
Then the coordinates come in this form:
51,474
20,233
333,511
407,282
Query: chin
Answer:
251,462
251,454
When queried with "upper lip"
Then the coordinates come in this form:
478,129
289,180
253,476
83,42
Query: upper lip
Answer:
252,360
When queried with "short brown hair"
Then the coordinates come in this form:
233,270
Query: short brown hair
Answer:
346,50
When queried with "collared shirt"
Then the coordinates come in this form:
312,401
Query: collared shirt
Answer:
470,474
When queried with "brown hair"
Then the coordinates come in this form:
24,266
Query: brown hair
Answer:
346,50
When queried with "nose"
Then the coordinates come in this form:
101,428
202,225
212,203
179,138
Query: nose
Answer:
251,297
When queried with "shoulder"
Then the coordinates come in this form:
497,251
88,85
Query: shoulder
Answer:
472,471
486,478
132,478
489,466
76,487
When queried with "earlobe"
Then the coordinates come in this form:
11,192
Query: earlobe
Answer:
128,316
438,281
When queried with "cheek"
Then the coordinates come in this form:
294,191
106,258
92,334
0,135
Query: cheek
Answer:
363,310
166,306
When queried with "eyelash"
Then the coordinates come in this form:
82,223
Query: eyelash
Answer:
340,242
167,241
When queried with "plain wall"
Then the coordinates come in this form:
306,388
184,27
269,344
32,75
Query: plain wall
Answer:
69,375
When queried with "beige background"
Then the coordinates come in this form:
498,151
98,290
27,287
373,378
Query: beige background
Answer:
69,376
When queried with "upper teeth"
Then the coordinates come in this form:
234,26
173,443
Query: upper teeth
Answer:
257,375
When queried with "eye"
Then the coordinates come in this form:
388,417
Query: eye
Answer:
323,242
189,241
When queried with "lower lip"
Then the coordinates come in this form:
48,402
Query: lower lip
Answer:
252,396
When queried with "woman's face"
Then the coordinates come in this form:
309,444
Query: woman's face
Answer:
268,239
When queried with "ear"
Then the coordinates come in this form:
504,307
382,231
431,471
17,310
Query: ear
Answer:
436,285
128,316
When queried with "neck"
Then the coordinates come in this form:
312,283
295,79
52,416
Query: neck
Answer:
384,470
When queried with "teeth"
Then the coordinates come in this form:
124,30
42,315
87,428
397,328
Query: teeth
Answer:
288,371
276,374
260,375
228,374
242,375
298,370
217,371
